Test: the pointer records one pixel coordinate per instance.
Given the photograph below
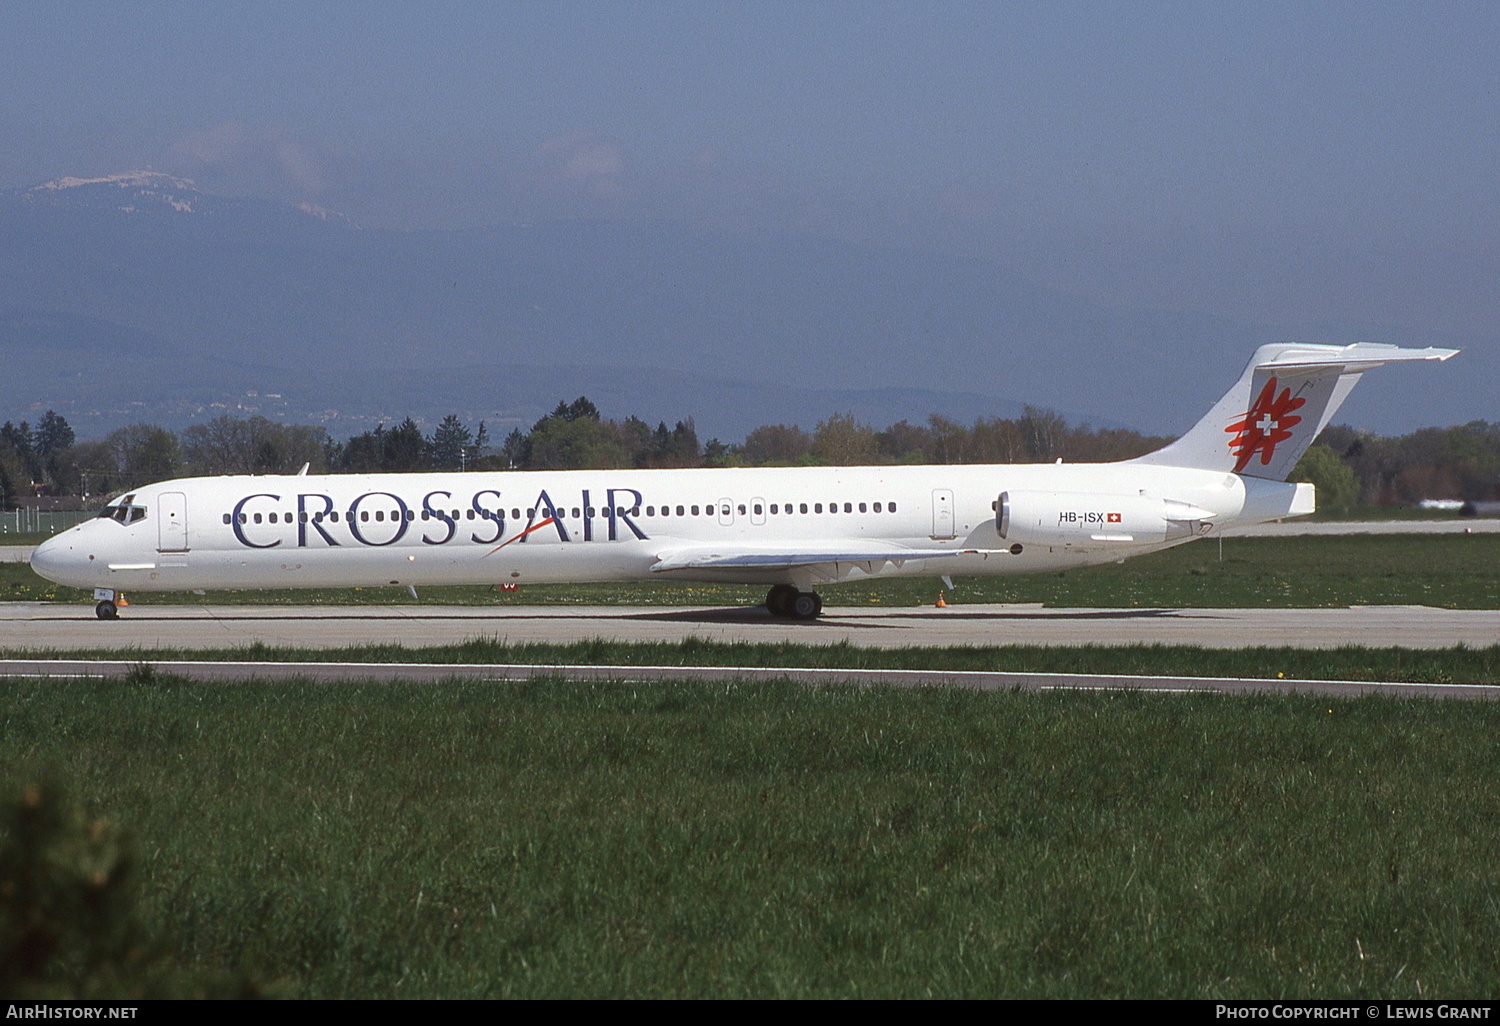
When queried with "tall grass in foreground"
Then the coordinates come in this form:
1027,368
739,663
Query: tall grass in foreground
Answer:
565,839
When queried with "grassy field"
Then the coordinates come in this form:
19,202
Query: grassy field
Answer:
594,840
1461,571
1458,665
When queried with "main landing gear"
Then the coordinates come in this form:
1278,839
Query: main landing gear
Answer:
785,601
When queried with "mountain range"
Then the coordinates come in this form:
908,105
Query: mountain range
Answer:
137,297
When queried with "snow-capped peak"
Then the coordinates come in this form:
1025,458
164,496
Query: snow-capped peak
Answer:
123,180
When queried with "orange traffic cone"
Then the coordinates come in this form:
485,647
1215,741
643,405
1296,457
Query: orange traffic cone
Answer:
940,603
120,601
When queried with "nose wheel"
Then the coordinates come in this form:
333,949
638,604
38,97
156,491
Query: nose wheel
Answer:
787,602
106,611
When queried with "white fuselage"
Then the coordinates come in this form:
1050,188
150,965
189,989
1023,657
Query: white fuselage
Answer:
615,525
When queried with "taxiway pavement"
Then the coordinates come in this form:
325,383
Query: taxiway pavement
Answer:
62,628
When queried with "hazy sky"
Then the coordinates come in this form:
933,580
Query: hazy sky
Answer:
1293,163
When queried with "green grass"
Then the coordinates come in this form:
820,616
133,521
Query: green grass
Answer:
1461,571
1459,665
595,840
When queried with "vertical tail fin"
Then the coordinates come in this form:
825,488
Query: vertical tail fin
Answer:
1288,393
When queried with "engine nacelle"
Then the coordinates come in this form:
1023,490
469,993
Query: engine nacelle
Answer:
1092,520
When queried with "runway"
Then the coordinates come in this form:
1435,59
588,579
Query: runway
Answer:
32,626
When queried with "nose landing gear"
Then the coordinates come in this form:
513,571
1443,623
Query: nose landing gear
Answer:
109,603
787,602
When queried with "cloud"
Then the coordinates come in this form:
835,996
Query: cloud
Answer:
584,160
259,159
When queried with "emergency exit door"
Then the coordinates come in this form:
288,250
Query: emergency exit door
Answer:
942,513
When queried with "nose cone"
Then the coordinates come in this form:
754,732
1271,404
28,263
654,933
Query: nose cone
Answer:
58,560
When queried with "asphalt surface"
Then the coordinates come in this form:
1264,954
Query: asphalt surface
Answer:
36,625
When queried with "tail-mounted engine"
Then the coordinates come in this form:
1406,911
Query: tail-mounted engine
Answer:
1091,520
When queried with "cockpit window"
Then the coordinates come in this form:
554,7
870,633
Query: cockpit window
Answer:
124,511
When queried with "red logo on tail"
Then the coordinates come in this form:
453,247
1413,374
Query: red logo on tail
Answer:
1268,423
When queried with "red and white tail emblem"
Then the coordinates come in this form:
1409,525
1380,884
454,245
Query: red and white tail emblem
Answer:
1268,423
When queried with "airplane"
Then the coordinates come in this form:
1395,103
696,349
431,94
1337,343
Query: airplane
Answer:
792,528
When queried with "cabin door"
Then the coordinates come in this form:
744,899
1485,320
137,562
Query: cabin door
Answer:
942,513
171,522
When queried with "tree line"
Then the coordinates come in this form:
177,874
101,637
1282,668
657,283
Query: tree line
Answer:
1349,467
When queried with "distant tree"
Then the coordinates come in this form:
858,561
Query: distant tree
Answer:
635,439
840,441
451,445
143,453
1337,487
399,449
578,409
903,442
97,473
574,444
52,437
21,443
777,445
515,449
14,481
675,448
230,445
1044,432
404,447
718,454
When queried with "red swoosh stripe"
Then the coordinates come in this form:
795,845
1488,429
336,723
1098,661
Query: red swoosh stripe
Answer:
534,527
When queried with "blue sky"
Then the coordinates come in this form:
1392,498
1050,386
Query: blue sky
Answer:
1319,166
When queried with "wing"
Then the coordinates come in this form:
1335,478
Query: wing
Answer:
787,559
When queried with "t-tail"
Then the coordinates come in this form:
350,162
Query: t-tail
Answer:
1288,393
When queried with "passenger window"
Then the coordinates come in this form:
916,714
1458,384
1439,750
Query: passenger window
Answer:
226,518
890,507
817,507
848,507
695,511
804,508
877,507
680,512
